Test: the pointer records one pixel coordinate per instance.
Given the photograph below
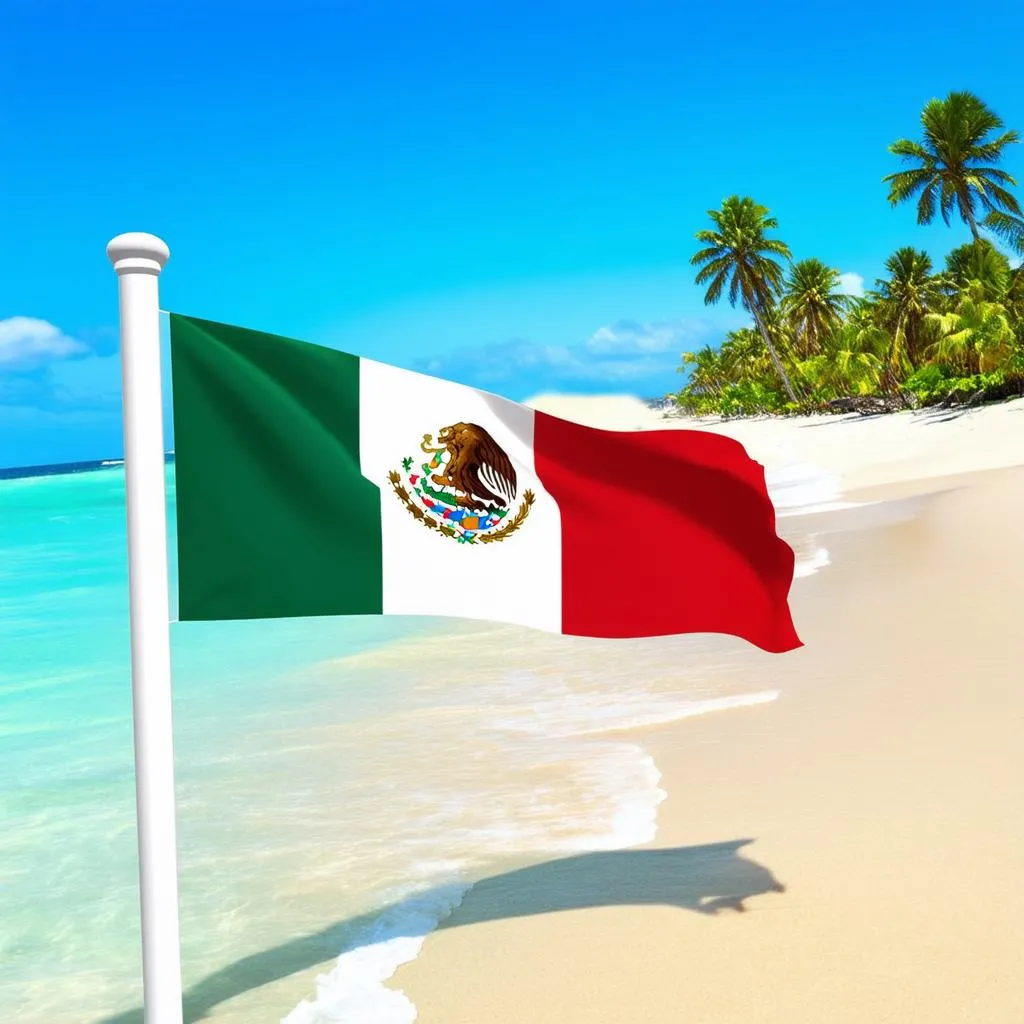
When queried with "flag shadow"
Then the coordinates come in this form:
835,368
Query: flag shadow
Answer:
704,879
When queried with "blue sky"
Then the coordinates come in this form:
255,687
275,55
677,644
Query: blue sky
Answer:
505,194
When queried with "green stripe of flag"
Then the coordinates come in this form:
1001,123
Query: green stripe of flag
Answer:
274,518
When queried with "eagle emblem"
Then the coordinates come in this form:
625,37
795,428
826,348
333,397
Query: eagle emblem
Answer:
463,487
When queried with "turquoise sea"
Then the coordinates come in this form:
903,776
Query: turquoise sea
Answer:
326,769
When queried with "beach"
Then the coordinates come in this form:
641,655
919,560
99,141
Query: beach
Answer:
389,820
848,852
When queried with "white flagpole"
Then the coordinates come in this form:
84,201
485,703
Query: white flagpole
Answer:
138,259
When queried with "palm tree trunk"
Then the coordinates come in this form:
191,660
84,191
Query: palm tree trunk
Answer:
891,386
899,341
890,382
779,369
973,225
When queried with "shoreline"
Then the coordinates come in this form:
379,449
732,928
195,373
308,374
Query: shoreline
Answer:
773,775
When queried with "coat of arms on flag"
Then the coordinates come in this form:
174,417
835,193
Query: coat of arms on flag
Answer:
465,488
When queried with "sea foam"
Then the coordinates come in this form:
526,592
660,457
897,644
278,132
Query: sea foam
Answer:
800,488
355,990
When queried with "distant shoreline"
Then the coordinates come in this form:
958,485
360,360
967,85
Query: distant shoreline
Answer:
65,468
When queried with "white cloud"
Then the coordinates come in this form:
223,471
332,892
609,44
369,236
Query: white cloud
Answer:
616,353
43,368
627,336
851,284
27,343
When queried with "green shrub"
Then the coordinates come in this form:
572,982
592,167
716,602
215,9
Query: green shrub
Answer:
931,386
926,381
749,398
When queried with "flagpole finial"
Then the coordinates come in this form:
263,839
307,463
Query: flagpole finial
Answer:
138,252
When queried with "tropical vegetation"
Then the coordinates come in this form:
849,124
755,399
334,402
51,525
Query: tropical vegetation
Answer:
924,334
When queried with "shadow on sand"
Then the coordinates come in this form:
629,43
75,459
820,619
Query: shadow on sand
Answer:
705,879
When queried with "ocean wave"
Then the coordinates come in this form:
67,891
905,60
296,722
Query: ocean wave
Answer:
817,560
355,989
818,509
594,714
800,488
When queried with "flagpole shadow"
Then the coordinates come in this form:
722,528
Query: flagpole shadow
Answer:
703,879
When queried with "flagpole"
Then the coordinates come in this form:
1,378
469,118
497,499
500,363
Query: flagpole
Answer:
138,259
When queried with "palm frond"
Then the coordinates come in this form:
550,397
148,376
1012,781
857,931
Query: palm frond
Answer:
1007,227
909,149
993,149
714,292
905,185
719,265
997,197
926,206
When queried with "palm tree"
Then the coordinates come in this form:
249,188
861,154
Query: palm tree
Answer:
862,330
955,161
709,375
738,253
981,262
742,357
745,356
812,304
904,299
863,336
976,336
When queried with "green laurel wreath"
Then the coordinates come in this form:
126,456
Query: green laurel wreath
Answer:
431,523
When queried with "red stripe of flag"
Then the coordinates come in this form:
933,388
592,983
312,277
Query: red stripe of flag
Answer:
663,532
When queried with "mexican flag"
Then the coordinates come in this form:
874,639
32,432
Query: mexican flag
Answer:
314,482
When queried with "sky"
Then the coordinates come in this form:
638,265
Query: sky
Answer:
501,194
